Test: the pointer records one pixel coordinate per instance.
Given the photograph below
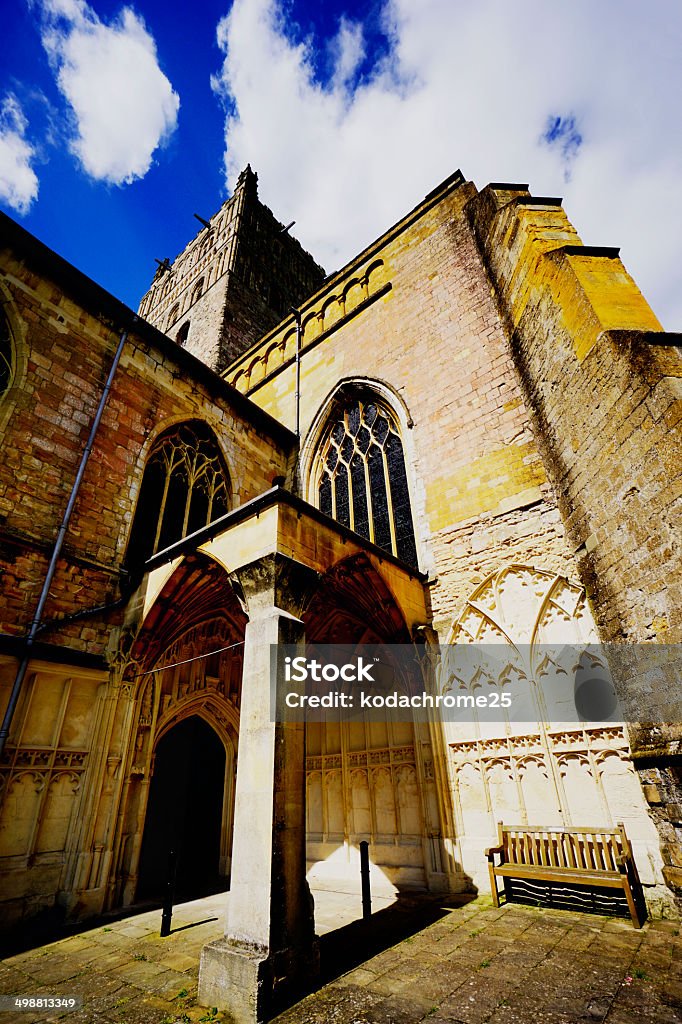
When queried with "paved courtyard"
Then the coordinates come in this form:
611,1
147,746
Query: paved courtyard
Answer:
432,961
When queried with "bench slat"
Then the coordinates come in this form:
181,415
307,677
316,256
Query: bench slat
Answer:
569,853
609,879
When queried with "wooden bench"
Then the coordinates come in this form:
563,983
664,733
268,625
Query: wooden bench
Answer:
588,856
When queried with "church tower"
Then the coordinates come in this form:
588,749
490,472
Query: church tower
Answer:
234,281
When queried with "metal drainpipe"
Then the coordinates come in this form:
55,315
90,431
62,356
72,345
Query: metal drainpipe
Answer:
297,317
61,533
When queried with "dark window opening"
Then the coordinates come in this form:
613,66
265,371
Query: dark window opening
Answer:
197,291
362,481
184,488
181,336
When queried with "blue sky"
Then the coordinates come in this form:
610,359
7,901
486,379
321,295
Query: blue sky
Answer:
118,122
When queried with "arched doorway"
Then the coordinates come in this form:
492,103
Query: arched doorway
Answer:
185,661
371,779
185,812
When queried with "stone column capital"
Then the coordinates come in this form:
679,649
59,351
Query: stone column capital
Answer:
274,581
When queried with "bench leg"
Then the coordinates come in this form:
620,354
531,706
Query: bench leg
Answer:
493,886
631,903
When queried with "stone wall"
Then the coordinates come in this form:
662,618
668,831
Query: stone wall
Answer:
416,317
603,383
66,353
415,314
233,282
61,771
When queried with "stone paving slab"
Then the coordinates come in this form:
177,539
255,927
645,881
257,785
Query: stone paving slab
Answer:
470,964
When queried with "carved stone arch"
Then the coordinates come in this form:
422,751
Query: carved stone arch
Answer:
150,449
353,294
311,326
38,778
603,757
374,467
194,625
569,757
16,352
352,603
331,311
201,587
487,609
271,357
224,720
198,289
173,316
375,276
537,760
168,423
334,400
256,371
288,345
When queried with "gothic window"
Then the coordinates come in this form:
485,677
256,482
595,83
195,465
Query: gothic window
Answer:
361,479
185,486
6,356
172,316
197,291
181,336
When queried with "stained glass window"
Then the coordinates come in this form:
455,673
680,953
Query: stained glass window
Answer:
184,487
362,480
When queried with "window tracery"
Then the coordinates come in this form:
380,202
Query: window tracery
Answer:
197,291
184,487
361,477
6,355
173,316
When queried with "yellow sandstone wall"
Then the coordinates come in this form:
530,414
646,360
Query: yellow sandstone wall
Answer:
415,312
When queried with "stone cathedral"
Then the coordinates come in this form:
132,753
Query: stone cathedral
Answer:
469,434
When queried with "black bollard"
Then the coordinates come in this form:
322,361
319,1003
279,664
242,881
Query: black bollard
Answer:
169,895
364,880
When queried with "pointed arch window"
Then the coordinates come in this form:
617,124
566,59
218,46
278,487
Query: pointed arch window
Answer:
184,487
6,355
197,291
173,316
361,479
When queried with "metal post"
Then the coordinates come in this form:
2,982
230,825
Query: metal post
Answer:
364,880
169,895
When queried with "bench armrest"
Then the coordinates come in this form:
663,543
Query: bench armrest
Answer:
492,850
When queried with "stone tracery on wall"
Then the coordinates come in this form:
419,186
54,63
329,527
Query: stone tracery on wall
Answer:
552,768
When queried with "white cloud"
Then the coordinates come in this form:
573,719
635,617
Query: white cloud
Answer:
123,105
477,86
18,180
347,50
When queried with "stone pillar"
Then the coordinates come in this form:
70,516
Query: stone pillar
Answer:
269,951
